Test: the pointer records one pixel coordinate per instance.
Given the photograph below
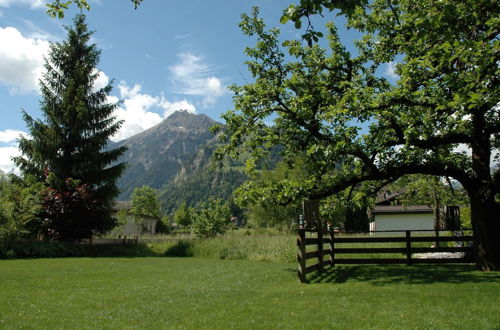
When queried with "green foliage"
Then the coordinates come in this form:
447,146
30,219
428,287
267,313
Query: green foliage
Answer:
183,215
20,206
264,212
211,218
48,249
163,225
428,190
349,217
465,217
56,8
146,207
145,203
68,144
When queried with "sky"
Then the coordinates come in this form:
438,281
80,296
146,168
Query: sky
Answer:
164,56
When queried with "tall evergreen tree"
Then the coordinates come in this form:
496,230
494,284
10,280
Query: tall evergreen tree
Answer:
66,149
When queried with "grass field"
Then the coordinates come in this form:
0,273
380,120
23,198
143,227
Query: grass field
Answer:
160,292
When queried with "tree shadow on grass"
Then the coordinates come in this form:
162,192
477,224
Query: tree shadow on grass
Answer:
181,248
120,251
402,274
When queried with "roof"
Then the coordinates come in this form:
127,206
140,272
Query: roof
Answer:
401,209
121,205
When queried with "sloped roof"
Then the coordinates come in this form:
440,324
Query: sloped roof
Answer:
380,209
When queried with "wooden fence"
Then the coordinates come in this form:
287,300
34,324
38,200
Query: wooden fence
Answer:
327,246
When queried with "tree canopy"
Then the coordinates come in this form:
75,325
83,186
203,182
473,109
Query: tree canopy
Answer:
145,203
352,125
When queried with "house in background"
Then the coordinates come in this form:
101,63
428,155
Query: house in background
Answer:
129,224
389,214
399,217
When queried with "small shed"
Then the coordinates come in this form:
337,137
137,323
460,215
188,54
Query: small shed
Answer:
399,217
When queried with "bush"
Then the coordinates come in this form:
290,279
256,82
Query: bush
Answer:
51,249
211,219
465,217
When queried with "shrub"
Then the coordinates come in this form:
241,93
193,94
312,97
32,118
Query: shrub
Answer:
211,219
51,249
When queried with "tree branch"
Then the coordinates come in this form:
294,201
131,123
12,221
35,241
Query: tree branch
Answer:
392,173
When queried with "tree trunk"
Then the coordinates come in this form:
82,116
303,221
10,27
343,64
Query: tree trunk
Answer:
485,217
485,212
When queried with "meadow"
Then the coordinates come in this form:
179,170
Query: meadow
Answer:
163,292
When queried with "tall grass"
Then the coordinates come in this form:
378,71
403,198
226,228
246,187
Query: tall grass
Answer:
242,244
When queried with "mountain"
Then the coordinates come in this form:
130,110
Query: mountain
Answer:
175,158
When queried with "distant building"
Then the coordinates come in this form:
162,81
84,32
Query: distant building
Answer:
389,217
389,214
130,225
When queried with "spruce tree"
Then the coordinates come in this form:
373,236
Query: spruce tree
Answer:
67,148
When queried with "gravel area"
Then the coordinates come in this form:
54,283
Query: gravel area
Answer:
438,255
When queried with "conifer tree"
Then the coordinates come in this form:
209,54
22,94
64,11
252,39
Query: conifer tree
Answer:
67,148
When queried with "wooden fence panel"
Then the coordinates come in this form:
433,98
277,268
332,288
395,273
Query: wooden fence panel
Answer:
406,251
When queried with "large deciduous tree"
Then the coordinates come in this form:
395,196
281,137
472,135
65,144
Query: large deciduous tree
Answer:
66,148
332,107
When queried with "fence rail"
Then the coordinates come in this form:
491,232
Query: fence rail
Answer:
327,243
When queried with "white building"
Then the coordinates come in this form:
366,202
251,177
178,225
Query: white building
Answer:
390,217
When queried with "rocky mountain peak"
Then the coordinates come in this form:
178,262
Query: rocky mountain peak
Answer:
188,120
156,155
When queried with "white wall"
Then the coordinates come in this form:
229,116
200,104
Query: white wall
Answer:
417,221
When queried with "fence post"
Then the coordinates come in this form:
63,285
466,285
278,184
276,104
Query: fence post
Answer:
408,248
124,241
319,228
332,247
301,255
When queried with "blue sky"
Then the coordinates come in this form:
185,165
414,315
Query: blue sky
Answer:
164,56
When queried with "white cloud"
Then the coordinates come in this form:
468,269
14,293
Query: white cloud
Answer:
10,149
21,60
6,164
136,110
195,78
31,3
10,135
390,70
101,81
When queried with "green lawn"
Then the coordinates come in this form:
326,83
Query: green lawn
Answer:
159,292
